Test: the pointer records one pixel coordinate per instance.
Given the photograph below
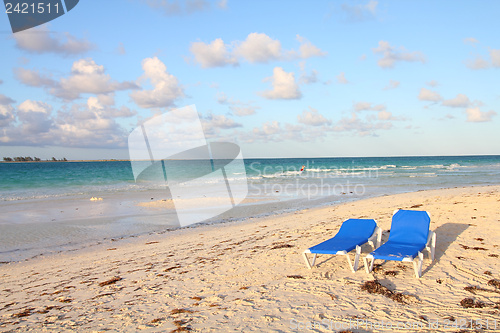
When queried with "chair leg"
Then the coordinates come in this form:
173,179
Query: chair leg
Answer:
314,259
307,260
350,263
420,262
418,266
379,236
368,268
356,258
433,246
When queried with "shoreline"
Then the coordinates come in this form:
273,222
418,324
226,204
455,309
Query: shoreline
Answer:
250,274
151,209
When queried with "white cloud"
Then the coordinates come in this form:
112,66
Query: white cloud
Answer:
477,63
390,55
256,48
175,7
276,132
284,86
308,50
86,78
392,85
367,106
166,88
214,54
481,63
342,79
222,98
34,106
269,131
385,115
219,122
41,40
470,40
6,111
475,115
35,117
222,4
237,107
244,110
102,103
311,78
313,118
360,106
495,57
382,115
193,6
429,95
358,13
259,47
460,101
86,66
33,78
4,100
362,127
121,49
6,116
433,83
268,128
76,126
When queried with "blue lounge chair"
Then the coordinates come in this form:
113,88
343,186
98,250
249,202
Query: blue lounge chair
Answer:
409,236
352,234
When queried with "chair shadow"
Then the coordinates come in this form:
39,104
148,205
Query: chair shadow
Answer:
446,234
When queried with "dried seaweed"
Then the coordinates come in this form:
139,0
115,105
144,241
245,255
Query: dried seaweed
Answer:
179,311
374,287
476,248
110,281
157,320
281,246
470,303
391,273
26,312
494,283
171,268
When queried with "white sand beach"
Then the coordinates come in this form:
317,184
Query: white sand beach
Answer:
250,276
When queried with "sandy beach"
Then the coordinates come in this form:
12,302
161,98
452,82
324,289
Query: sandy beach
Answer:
250,276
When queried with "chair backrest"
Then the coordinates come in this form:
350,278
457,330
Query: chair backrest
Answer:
410,226
357,228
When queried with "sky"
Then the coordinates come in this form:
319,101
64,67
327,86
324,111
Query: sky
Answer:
279,78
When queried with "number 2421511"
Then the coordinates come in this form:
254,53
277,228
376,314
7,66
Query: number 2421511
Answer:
26,8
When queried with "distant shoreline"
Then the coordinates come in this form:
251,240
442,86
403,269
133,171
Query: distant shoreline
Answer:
49,161
265,158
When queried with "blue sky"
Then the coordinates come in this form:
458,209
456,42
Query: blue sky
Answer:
280,78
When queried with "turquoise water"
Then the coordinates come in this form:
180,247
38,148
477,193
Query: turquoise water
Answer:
46,208
37,180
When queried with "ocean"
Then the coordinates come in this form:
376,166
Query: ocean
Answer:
46,206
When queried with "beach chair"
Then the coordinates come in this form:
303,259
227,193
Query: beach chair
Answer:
409,236
352,234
